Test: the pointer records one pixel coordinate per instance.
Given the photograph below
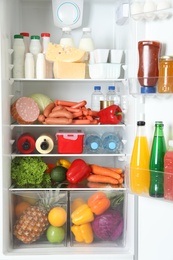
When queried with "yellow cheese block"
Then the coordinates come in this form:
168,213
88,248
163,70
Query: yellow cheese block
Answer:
69,70
56,52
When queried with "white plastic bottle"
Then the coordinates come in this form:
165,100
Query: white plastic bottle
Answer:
112,97
86,42
40,66
66,38
35,46
49,65
29,66
26,40
93,143
18,56
96,97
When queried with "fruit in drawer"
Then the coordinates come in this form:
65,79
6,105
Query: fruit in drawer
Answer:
56,52
34,221
55,234
57,216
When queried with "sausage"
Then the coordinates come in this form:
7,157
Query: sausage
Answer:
80,104
77,114
61,113
48,109
25,110
74,110
65,103
57,108
58,121
41,118
81,122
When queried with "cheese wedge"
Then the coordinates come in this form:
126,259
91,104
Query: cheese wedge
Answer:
69,70
56,52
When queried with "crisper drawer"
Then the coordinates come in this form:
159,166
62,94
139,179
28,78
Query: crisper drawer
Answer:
53,218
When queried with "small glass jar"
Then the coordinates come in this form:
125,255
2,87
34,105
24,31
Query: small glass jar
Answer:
165,81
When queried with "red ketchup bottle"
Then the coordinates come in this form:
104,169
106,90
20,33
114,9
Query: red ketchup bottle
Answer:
26,143
148,70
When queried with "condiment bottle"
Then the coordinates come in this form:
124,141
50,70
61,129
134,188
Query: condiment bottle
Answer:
139,163
18,56
165,80
66,38
148,71
49,65
29,66
44,144
26,143
157,162
168,172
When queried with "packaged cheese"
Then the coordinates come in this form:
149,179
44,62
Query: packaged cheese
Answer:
69,70
56,52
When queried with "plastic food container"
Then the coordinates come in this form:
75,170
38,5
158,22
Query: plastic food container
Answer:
116,56
26,200
101,55
105,71
108,233
70,142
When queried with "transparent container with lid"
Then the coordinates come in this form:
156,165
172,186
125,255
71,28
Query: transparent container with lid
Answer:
18,56
86,42
66,38
96,97
111,96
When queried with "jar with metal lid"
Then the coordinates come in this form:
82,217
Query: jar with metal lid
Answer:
165,81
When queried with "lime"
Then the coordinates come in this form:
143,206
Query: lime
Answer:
55,234
58,174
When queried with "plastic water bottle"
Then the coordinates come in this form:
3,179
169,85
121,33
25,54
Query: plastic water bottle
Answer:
111,143
93,143
96,97
112,97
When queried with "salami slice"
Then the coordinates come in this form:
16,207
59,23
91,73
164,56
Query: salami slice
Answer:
25,110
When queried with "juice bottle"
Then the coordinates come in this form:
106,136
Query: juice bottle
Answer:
139,164
168,172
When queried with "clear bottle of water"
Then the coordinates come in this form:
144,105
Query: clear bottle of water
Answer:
96,97
93,143
112,143
112,96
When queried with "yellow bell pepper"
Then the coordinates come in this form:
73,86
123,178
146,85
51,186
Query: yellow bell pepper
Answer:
63,162
76,203
83,233
82,215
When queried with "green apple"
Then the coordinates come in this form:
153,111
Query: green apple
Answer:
55,234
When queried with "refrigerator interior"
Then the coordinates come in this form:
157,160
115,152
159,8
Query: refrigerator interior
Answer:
36,17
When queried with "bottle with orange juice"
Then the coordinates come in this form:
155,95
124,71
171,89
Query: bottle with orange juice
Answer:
139,164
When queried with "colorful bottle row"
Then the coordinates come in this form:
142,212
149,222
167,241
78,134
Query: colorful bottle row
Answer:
152,172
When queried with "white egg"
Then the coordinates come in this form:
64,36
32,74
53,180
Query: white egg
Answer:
149,8
161,6
137,10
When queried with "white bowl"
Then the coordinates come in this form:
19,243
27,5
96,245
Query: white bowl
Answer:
105,71
116,56
101,55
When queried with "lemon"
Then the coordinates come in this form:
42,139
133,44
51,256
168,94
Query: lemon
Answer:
58,174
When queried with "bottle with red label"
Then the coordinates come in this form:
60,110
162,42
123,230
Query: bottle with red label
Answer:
26,143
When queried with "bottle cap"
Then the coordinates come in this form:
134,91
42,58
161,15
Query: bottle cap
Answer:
25,34
140,123
112,145
97,88
66,29
111,88
18,36
86,29
148,90
45,34
35,37
94,145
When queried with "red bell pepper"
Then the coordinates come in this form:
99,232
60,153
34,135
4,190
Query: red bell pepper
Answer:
110,115
78,171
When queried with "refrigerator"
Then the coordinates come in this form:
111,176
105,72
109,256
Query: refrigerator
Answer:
148,225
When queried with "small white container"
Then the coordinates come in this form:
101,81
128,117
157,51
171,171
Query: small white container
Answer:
41,66
105,71
116,56
29,66
101,55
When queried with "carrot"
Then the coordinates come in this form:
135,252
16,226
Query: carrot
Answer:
96,169
48,109
117,170
65,103
102,179
101,185
121,180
